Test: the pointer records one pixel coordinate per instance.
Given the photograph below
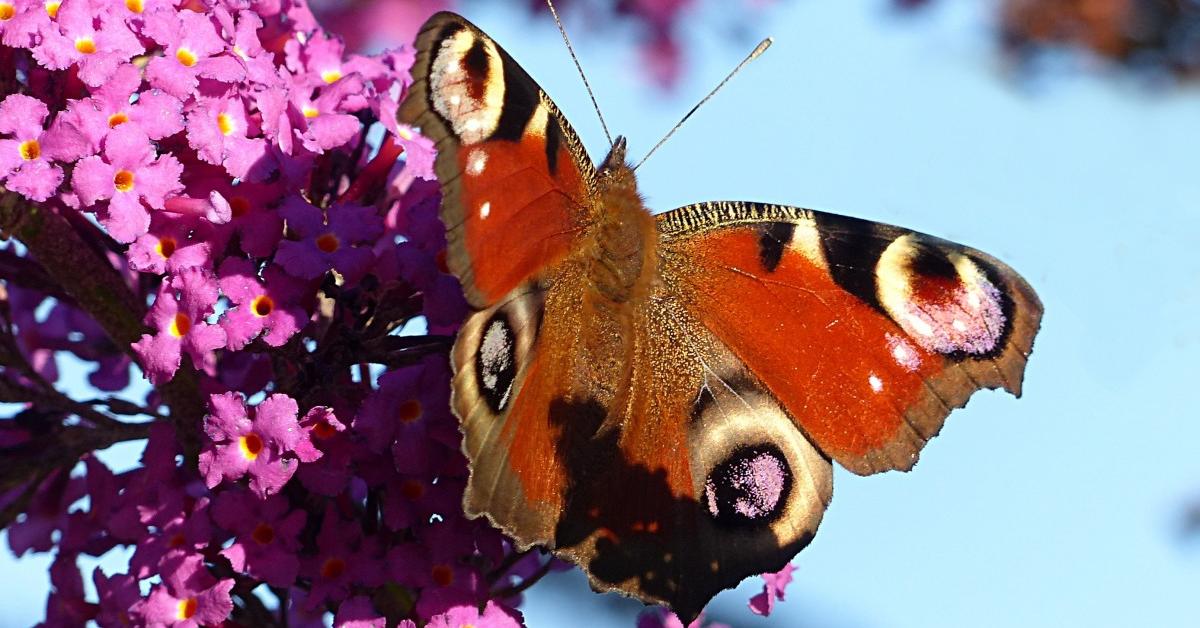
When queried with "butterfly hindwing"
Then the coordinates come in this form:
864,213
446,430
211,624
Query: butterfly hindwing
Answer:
868,334
516,182
675,485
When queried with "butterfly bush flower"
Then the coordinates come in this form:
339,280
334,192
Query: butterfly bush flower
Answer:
267,535
179,317
270,306
263,446
223,134
330,240
216,213
172,244
118,102
128,173
25,164
189,596
191,49
86,34
774,587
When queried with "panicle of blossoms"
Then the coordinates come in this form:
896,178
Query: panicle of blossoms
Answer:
217,193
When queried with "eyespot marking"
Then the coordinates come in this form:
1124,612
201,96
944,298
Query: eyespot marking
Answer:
944,301
496,364
750,487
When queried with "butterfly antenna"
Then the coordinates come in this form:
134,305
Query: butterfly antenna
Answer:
758,50
588,86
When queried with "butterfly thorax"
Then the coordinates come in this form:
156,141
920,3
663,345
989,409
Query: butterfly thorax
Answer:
624,234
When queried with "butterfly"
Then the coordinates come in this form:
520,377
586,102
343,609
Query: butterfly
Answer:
659,398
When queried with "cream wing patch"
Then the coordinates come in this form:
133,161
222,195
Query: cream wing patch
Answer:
467,81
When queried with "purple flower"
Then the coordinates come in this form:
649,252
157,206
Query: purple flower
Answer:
253,215
774,587
129,174
435,565
272,304
73,37
263,447
336,239
66,605
154,495
185,532
46,513
267,531
91,120
20,22
493,616
344,558
181,326
25,167
172,244
188,597
321,123
242,34
357,612
328,475
224,134
87,530
662,618
191,49
117,595
411,414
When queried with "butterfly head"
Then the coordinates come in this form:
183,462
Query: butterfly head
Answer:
616,175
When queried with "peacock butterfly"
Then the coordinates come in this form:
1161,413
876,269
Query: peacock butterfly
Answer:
658,398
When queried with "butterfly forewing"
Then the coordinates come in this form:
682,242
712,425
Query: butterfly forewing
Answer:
868,334
516,182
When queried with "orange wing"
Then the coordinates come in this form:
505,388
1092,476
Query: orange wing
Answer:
869,335
516,182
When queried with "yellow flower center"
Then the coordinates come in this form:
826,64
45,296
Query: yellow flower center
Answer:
52,8
30,150
166,247
185,57
117,119
7,11
239,206
409,411
251,445
180,325
85,45
137,6
328,243
331,76
263,534
310,111
186,608
262,305
404,133
226,123
123,180
237,50
332,568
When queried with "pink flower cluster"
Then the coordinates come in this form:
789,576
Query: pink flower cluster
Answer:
261,222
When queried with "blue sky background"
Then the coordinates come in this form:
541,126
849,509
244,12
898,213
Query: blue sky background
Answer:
1063,508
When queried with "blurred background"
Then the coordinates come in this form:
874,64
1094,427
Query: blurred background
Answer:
1059,135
